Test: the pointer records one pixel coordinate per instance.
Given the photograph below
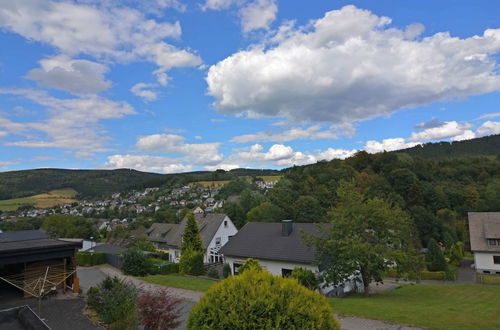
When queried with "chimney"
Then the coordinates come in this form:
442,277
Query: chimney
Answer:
286,227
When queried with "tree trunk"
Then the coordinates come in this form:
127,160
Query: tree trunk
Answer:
366,282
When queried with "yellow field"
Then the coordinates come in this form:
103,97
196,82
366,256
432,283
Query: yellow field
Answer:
50,199
270,177
210,183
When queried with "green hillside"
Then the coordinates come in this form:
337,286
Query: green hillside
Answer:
485,146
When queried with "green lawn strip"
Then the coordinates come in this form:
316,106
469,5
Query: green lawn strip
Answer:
430,306
179,281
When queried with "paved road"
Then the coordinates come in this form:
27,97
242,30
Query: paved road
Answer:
93,275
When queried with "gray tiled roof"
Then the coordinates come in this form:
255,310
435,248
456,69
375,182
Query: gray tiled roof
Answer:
264,241
7,247
22,235
171,234
484,225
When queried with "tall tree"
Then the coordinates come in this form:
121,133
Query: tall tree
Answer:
191,239
366,237
434,257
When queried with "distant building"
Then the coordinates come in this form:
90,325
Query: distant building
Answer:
484,229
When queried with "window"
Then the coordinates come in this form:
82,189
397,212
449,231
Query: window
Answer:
286,272
235,268
496,260
217,241
225,223
492,241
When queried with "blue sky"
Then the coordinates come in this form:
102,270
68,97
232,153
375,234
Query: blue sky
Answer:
175,85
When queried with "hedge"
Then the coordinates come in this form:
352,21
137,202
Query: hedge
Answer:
163,268
90,258
435,276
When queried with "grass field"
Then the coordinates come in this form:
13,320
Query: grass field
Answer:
270,177
210,183
431,306
50,199
179,281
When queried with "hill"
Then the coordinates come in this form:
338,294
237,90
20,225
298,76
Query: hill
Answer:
485,146
92,184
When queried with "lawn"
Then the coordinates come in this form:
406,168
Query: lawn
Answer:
180,281
50,199
432,306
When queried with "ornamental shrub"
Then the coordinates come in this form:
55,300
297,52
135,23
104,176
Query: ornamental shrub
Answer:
212,272
259,300
226,270
136,263
159,310
434,257
306,277
250,263
191,263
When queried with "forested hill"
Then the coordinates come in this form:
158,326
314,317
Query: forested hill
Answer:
100,183
485,146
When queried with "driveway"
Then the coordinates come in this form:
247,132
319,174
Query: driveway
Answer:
92,275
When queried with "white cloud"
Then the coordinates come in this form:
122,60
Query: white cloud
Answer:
258,14
310,133
218,4
490,115
3,133
72,124
489,128
147,163
434,122
74,76
101,30
447,130
466,135
350,66
373,146
144,92
5,164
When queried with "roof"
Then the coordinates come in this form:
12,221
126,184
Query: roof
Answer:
171,234
484,225
22,235
35,244
263,240
108,248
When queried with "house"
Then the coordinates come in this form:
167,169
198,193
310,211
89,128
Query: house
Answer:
278,247
215,230
484,230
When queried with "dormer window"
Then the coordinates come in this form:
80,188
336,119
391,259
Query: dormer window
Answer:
494,241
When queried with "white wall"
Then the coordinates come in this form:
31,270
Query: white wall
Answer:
484,261
224,233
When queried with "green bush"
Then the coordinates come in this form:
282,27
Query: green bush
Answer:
259,300
164,267
92,294
191,263
306,277
136,263
434,257
90,258
434,276
213,273
226,270
250,263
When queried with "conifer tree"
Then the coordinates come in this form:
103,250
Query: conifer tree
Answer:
434,257
191,239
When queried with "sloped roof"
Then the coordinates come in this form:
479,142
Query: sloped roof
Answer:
171,234
22,235
484,225
264,240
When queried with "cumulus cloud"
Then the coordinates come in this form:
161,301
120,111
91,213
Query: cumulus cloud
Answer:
351,66
218,4
116,32
310,133
72,123
447,130
434,122
144,91
373,146
489,128
147,163
74,76
258,14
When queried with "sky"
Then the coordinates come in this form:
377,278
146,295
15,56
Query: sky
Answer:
172,86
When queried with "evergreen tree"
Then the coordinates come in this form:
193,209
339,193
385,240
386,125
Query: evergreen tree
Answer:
191,239
434,257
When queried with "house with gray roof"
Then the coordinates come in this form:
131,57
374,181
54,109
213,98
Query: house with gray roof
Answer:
279,248
215,230
484,230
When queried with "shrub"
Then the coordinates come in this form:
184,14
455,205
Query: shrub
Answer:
213,273
259,300
191,263
164,267
434,276
250,263
136,263
159,310
90,258
92,296
306,277
226,270
434,257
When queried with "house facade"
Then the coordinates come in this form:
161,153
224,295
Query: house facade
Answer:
215,230
279,248
484,229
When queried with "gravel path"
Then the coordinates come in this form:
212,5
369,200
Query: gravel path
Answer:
90,276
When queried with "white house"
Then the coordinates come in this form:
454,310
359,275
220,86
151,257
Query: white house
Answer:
279,248
215,230
484,229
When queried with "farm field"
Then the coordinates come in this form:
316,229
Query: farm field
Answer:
50,199
430,306
210,183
